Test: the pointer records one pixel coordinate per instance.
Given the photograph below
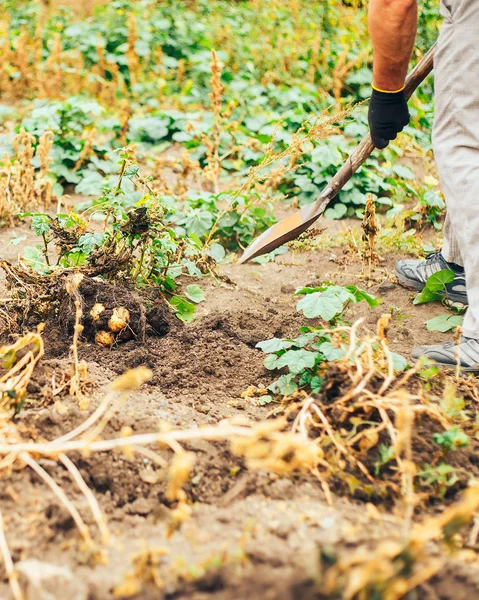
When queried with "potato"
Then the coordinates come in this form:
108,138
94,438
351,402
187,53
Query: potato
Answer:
119,319
96,311
104,338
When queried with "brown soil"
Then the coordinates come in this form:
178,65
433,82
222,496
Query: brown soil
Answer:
251,535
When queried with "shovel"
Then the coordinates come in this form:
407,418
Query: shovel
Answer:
291,227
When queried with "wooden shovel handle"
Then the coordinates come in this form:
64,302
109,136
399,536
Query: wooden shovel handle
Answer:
366,147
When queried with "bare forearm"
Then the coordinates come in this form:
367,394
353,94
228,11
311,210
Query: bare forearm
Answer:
392,27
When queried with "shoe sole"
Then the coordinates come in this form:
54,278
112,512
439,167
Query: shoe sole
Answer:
411,284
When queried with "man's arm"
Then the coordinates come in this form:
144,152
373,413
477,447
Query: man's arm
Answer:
392,26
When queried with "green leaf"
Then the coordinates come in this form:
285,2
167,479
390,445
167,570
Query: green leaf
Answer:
403,172
8,360
265,400
274,345
438,280
362,295
444,323
91,184
452,439
216,251
199,223
308,290
426,296
17,240
185,311
297,360
270,362
306,338
34,257
336,212
399,362
41,224
284,385
434,199
270,256
89,241
131,171
320,304
436,283
316,383
331,353
195,293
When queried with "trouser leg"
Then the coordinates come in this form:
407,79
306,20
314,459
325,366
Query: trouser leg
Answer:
450,247
456,141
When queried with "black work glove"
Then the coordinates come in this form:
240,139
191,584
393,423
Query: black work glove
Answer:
388,115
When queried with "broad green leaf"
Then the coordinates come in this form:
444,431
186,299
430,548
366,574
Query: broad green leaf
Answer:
297,360
307,338
270,362
274,345
284,385
41,224
216,251
330,353
336,212
90,184
403,171
198,222
362,295
185,311
34,257
399,362
343,293
320,304
433,199
195,293
438,280
89,241
444,323
426,296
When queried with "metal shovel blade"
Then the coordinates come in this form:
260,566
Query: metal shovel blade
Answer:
286,230
291,227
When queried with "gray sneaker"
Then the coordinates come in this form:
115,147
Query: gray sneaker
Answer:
413,274
448,354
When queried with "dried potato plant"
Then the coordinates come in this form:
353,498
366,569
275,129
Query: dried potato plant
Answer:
59,74
396,567
370,233
274,445
365,405
22,186
17,363
266,446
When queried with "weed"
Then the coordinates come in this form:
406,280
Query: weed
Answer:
452,439
439,478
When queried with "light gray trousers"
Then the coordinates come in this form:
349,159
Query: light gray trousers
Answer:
456,141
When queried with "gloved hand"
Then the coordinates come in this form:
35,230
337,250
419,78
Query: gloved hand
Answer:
388,115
